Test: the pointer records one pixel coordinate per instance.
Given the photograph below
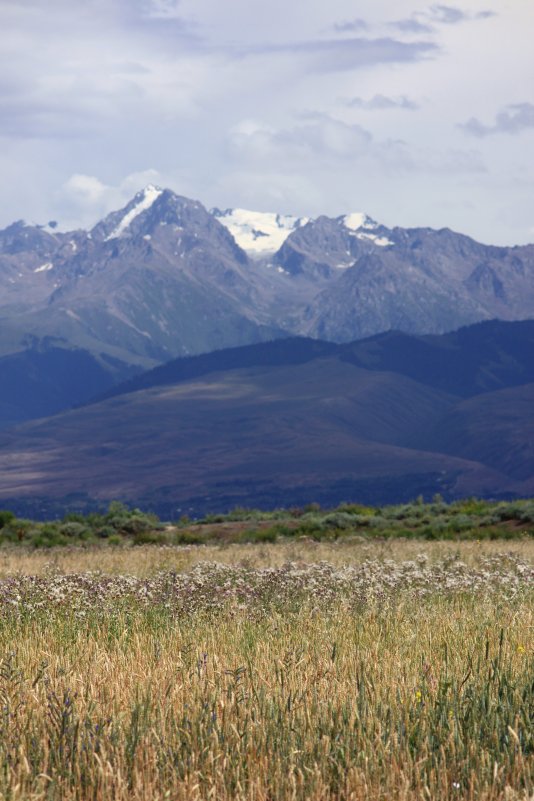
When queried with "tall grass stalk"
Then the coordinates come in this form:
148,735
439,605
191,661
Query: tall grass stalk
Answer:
399,698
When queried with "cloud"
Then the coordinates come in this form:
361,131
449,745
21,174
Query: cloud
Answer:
412,25
86,189
350,26
450,15
383,103
447,15
348,54
92,91
163,9
318,136
512,120
425,21
89,199
320,140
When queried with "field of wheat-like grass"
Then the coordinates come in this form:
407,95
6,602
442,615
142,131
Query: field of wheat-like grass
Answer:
341,674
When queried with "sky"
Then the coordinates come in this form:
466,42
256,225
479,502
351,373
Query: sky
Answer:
417,114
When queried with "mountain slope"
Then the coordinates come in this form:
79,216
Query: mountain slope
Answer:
244,436
479,358
423,281
278,353
495,428
42,381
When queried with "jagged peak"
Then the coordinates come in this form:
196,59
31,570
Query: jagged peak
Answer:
145,199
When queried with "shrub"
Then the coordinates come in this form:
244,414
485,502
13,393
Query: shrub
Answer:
357,509
259,535
6,517
75,530
462,523
310,528
75,517
106,532
146,537
47,536
296,511
187,538
339,520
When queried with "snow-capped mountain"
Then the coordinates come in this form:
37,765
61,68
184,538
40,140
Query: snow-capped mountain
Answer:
259,233
363,227
141,202
163,277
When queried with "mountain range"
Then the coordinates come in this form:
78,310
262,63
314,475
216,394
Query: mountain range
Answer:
191,359
165,277
287,422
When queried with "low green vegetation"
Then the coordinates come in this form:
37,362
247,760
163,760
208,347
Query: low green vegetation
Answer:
469,519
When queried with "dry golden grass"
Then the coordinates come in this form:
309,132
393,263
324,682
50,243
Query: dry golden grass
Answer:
398,697
146,560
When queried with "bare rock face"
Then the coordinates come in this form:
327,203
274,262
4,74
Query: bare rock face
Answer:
418,281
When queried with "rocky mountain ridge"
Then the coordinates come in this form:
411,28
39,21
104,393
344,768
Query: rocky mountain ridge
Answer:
164,277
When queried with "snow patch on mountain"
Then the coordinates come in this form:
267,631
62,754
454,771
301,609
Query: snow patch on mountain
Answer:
259,233
381,241
361,226
146,199
357,220
44,267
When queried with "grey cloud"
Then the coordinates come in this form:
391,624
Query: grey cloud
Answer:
447,14
318,138
79,110
412,25
383,102
437,14
348,26
162,9
42,121
347,54
514,119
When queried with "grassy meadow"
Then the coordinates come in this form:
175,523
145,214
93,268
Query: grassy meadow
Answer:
325,668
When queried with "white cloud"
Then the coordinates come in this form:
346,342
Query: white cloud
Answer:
86,189
90,199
